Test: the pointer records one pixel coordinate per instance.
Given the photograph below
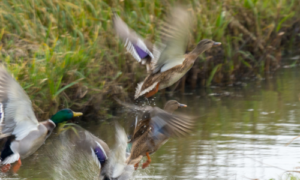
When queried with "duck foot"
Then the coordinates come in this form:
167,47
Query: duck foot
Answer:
17,166
5,168
154,91
146,164
136,166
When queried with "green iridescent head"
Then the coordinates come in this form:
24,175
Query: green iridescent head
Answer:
64,115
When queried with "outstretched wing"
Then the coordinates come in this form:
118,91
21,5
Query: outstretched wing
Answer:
140,49
17,116
134,108
117,158
143,112
175,33
171,125
86,141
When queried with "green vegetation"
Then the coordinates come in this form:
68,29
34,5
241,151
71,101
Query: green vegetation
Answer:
65,53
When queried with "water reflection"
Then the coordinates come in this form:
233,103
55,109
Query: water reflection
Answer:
241,133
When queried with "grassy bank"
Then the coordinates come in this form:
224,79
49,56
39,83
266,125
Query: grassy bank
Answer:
65,53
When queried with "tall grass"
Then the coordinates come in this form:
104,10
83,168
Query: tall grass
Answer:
65,53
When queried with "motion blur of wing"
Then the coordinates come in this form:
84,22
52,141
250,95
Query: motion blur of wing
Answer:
139,48
175,32
171,125
118,154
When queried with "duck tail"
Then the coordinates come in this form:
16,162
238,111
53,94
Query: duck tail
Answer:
7,153
139,91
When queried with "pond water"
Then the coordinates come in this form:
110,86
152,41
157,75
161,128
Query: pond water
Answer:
241,133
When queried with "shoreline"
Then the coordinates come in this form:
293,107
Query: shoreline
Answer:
71,57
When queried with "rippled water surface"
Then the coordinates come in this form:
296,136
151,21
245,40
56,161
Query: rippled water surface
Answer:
241,133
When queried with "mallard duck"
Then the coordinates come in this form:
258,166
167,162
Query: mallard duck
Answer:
110,161
20,129
166,62
87,142
155,128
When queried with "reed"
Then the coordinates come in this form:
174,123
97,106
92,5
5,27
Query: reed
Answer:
65,53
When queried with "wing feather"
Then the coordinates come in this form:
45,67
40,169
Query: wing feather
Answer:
17,116
174,33
171,125
134,44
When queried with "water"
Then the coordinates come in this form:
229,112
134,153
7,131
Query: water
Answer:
241,133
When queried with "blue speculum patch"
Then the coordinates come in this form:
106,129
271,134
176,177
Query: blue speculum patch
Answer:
1,113
140,52
100,155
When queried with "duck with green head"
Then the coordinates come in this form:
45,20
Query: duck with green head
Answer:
20,130
166,61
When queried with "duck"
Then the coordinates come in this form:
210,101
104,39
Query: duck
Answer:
111,162
166,61
155,128
20,131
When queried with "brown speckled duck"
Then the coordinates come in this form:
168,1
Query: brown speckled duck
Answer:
155,128
166,62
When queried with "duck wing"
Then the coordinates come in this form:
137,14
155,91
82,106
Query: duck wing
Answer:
143,51
88,142
144,112
16,113
117,158
174,33
133,107
171,125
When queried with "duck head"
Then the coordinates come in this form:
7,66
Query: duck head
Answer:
204,45
64,115
173,105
